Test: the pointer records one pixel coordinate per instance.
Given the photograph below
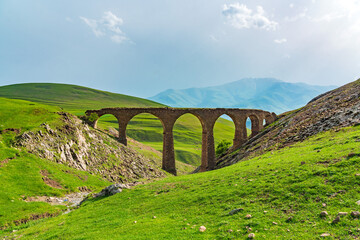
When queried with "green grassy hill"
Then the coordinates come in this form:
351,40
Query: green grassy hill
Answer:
280,195
144,128
72,98
20,172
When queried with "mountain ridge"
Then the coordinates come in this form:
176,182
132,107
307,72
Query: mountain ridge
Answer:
265,93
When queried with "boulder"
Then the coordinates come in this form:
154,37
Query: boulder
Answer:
111,190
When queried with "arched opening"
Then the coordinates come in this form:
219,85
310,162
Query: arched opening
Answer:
109,124
187,143
254,122
248,126
145,134
224,135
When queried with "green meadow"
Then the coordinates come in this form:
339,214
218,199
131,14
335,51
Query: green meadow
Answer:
279,196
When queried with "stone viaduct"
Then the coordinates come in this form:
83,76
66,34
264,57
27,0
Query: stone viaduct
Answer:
207,118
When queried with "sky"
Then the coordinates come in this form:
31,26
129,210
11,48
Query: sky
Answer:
141,48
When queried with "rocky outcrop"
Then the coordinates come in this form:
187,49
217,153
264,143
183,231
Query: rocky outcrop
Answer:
333,110
71,142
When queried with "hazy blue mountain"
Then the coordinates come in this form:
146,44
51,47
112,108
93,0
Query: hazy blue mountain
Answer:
262,93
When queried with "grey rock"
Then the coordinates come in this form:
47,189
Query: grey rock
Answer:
232,212
111,190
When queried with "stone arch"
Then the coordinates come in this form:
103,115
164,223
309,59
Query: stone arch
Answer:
168,157
237,130
192,136
240,135
207,139
125,119
269,118
256,124
95,123
194,113
99,114
207,117
234,133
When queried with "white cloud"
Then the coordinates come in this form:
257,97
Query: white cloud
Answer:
302,14
291,5
112,22
240,16
118,38
108,25
93,24
280,41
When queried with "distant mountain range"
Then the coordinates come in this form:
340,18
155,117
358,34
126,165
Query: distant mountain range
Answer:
260,93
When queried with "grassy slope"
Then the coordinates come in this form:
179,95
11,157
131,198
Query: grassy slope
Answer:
25,115
73,98
20,171
144,128
277,182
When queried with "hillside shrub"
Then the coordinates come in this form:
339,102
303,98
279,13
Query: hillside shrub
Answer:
93,117
222,147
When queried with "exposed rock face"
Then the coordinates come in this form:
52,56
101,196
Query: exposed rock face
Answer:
335,109
74,144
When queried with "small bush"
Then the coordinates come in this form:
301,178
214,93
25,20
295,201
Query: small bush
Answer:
93,117
222,147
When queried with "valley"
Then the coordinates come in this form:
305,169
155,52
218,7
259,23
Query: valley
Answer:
275,185
143,128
